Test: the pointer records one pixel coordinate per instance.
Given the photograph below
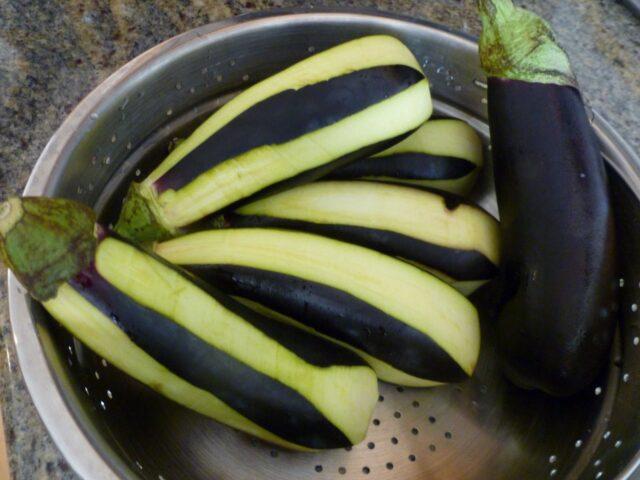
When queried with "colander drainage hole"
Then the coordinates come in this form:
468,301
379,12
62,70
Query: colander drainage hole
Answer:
412,458
599,475
389,466
366,470
371,445
381,398
342,470
160,477
397,415
318,468
376,422
553,459
432,419
400,389
348,449
394,440
432,447
553,472
416,404
597,463
104,363
274,454
414,431
109,394
448,435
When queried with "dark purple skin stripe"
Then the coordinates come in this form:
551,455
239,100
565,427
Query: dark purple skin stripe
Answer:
258,397
289,115
409,165
456,263
557,236
339,315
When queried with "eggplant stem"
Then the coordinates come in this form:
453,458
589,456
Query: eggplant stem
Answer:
519,45
10,214
45,241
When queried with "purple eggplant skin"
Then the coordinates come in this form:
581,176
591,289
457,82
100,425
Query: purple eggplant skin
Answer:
556,323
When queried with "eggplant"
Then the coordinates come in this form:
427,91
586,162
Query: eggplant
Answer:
443,154
559,263
183,338
419,330
456,241
341,104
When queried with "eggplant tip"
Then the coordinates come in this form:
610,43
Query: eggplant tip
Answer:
45,241
10,214
519,45
137,222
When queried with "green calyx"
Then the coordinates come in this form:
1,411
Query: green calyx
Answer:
137,222
46,241
519,45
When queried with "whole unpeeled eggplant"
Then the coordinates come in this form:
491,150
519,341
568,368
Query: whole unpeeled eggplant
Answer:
556,323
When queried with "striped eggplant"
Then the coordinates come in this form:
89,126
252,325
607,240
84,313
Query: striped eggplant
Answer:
297,125
455,241
444,154
183,338
556,323
417,329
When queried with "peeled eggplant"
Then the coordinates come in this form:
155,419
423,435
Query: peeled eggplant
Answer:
452,239
418,330
183,338
444,154
339,105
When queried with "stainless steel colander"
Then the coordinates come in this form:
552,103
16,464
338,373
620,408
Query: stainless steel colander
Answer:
110,426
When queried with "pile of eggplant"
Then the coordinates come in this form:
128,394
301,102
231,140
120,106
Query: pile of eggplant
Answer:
310,238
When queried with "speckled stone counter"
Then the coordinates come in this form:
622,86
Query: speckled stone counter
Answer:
54,53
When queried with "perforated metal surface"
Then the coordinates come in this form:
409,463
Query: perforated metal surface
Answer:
109,425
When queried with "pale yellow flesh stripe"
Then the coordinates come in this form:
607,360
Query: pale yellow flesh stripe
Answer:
384,371
460,186
102,336
366,52
395,287
465,287
240,177
447,137
416,213
344,395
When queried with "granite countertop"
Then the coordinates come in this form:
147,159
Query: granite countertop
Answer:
53,53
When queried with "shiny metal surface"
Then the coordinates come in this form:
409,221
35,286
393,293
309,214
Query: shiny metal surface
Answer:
109,426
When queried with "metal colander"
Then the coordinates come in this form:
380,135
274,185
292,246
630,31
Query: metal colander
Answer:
109,425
